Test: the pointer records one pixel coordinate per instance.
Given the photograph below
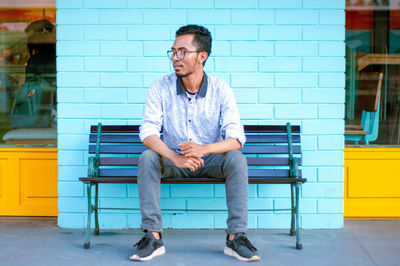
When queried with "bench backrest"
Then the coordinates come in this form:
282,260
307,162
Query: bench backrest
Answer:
270,150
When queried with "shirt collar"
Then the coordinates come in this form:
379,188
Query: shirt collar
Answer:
203,88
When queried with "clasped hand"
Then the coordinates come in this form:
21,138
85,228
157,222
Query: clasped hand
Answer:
191,158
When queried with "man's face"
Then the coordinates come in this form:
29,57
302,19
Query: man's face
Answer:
192,62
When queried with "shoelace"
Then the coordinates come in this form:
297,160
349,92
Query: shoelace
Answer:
142,242
244,241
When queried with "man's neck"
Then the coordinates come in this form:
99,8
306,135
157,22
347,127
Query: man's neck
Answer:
192,83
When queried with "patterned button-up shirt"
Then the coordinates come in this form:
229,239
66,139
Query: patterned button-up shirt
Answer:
210,116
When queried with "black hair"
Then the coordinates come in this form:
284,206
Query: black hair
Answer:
202,37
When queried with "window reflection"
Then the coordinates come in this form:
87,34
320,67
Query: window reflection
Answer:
373,51
27,72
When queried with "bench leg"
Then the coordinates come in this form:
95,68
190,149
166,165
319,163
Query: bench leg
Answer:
96,213
292,224
86,245
299,245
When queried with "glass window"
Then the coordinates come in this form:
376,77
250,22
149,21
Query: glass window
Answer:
373,72
27,72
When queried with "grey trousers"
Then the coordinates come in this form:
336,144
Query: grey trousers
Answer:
231,165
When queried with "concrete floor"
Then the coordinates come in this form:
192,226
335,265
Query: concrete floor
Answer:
41,242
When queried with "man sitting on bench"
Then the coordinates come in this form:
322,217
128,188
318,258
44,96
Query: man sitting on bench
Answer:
202,138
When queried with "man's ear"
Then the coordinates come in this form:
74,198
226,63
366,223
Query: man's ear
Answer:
203,57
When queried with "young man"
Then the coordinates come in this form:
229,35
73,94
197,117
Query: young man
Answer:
202,138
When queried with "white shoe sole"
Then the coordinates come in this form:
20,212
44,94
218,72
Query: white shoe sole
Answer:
231,252
157,252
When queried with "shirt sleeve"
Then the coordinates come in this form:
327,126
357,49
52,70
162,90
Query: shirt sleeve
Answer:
153,114
231,126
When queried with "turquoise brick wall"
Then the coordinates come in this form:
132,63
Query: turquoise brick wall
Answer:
284,60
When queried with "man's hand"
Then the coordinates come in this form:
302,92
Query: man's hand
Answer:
192,163
192,149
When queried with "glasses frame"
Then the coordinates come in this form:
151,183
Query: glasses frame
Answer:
171,54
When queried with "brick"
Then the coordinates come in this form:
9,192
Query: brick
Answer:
164,17
148,64
148,4
72,204
71,142
309,143
137,95
71,189
252,80
69,64
104,4
257,17
105,32
273,191
135,220
324,64
69,95
235,64
310,173
280,96
113,190
226,77
150,78
295,80
102,64
256,111
69,4
113,221
76,17
324,95
105,95
323,126
220,221
256,204
324,33
191,4
120,17
280,64
71,220
295,111
330,206
148,33
306,205
174,203
119,201
111,48
235,4
296,49
332,80
71,173
70,110
331,48
69,33
208,68
221,48
70,126
332,17
280,4
282,204
121,111
280,33
257,48
204,204
77,79
296,17
330,174
208,17
121,80
323,158
72,48
331,142
66,157
322,190
326,221
191,190
246,95
156,48
192,221
236,33
219,191
275,221
316,4
331,111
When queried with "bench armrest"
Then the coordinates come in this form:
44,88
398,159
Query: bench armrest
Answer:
294,167
93,167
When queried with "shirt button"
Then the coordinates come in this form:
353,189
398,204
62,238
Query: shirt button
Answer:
190,120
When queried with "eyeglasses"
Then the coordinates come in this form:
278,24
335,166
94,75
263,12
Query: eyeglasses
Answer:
180,54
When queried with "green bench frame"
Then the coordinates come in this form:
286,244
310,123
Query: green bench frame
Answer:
273,155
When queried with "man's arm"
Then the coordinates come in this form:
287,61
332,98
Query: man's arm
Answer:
154,143
192,149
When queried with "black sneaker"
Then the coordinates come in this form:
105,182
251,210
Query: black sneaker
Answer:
147,248
241,248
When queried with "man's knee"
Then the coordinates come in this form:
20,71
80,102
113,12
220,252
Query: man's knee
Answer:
149,158
235,159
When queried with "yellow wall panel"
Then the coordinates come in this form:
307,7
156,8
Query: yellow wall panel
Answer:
3,182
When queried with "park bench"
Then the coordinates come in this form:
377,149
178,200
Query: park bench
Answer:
273,155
